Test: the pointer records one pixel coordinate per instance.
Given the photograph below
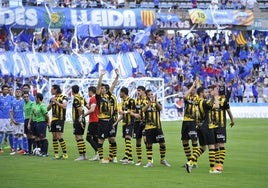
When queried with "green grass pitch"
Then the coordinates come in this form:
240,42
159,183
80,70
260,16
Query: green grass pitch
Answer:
246,164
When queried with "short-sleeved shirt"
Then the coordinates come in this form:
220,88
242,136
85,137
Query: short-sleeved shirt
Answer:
27,108
38,112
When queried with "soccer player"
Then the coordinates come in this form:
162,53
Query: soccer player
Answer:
40,117
139,123
113,130
93,112
106,113
5,106
17,121
27,108
153,129
206,135
79,122
188,130
58,104
219,121
127,115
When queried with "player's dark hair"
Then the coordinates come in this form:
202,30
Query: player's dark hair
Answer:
124,90
57,88
75,89
200,90
141,88
39,96
92,89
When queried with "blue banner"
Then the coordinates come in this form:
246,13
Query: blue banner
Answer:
38,17
59,65
219,17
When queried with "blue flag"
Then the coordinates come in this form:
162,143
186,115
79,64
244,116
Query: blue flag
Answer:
88,30
25,37
95,68
95,30
143,37
109,67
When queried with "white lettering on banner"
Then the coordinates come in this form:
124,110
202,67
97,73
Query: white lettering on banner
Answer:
19,66
74,20
250,111
3,64
170,114
78,19
84,17
68,67
19,16
113,18
84,64
51,65
129,18
121,66
33,63
31,16
133,61
7,17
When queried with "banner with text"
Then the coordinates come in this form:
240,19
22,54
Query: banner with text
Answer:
219,17
59,65
38,17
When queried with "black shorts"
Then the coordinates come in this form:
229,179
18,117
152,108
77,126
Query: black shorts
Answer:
188,131
104,129
154,136
26,130
78,129
220,134
113,130
41,129
205,135
128,130
57,126
92,129
34,128
139,130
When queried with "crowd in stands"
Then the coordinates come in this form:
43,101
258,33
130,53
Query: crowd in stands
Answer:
177,58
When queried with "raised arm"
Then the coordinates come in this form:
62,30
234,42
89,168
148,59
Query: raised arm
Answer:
102,73
115,81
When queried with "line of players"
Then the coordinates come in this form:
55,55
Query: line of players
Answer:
15,113
140,117
25,119
205,120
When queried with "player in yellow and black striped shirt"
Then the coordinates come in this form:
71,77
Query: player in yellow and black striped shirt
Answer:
107,108
218,121
127,115
79,122
188,130
139,123
58,104
153,129
205,135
